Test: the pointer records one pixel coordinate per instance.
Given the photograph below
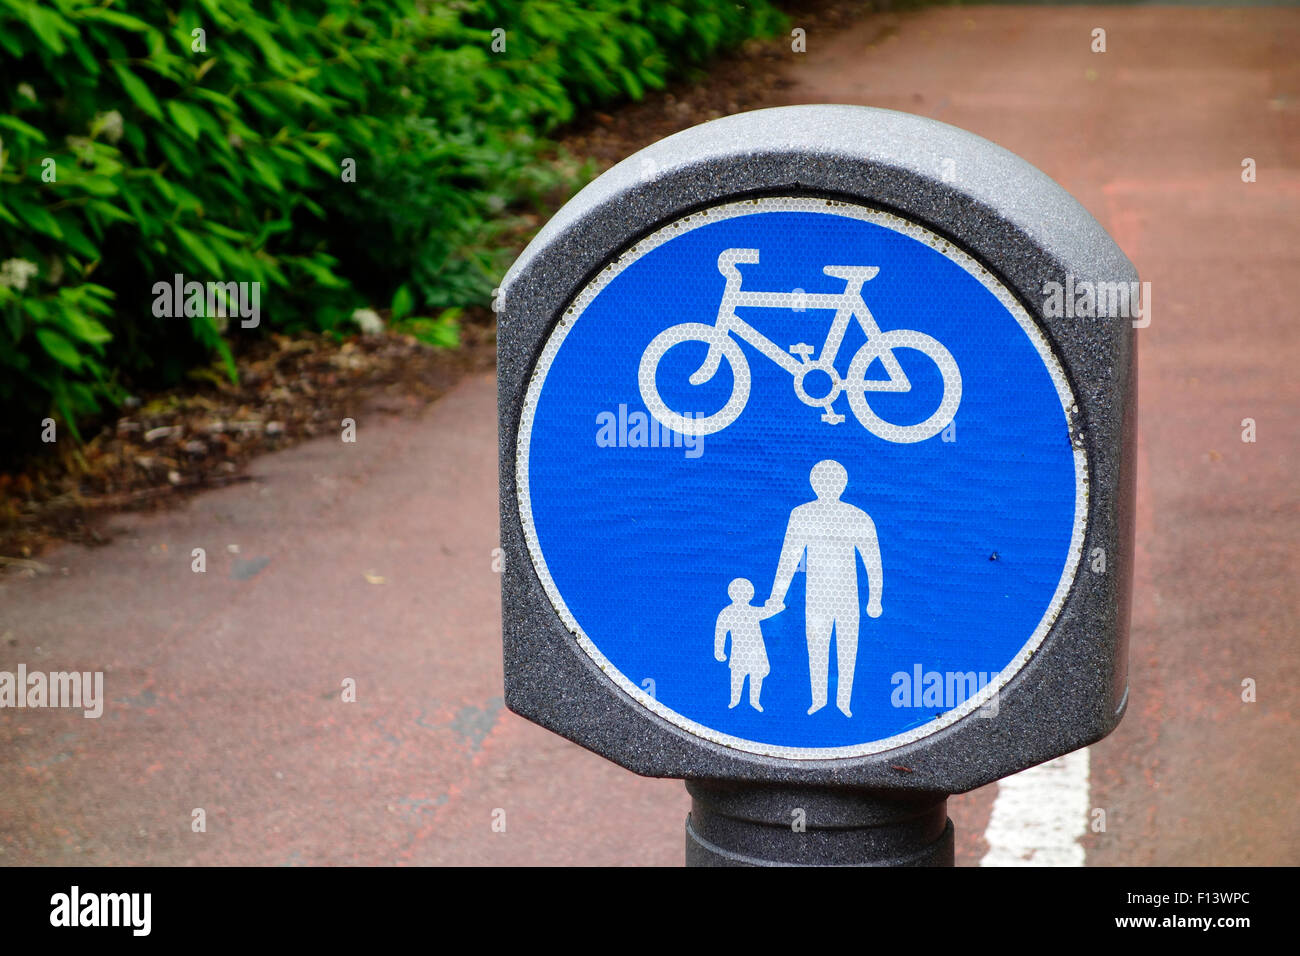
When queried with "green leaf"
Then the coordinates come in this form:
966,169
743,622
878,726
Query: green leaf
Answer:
403,302
85,57
163,186
125,21
86,329
48,26
65,409
322,274
442,332
184,117
108,211
40,219
228,360
212,96
78,241
178,154
96,185
326,164
139,92
201,252
149,225
631,83
58,348
234,235
265,173
14,323
26,129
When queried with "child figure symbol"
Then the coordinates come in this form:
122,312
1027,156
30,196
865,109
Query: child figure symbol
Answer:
831,535
741,619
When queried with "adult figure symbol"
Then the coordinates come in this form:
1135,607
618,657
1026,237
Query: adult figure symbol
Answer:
832,533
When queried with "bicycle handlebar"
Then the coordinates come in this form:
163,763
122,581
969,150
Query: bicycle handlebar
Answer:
730,258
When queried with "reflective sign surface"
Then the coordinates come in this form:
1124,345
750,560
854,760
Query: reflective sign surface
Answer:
798,477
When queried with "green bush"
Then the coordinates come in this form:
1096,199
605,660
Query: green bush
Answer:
211,138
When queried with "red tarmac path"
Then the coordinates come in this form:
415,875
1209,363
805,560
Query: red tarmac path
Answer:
374,561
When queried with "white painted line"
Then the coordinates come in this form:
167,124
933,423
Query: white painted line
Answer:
1039,815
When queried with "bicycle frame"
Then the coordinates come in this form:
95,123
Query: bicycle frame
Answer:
729,330
847,305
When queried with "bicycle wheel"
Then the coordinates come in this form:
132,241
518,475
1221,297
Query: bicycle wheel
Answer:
727,348
857,386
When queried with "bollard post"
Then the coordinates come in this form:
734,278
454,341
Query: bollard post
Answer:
817,477
731,825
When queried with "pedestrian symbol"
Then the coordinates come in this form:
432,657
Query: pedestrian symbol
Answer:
826,536
833,535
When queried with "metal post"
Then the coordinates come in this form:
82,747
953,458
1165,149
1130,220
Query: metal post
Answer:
734,824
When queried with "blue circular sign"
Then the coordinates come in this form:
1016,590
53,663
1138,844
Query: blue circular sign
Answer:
798,476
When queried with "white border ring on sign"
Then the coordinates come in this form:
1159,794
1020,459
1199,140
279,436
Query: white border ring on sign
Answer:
748,207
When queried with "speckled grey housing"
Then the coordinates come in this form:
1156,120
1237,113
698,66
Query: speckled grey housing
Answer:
1005,213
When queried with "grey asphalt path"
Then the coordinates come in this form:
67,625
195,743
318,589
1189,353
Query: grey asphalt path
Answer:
371,562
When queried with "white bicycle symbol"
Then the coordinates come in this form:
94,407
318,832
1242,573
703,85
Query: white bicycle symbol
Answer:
799,362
